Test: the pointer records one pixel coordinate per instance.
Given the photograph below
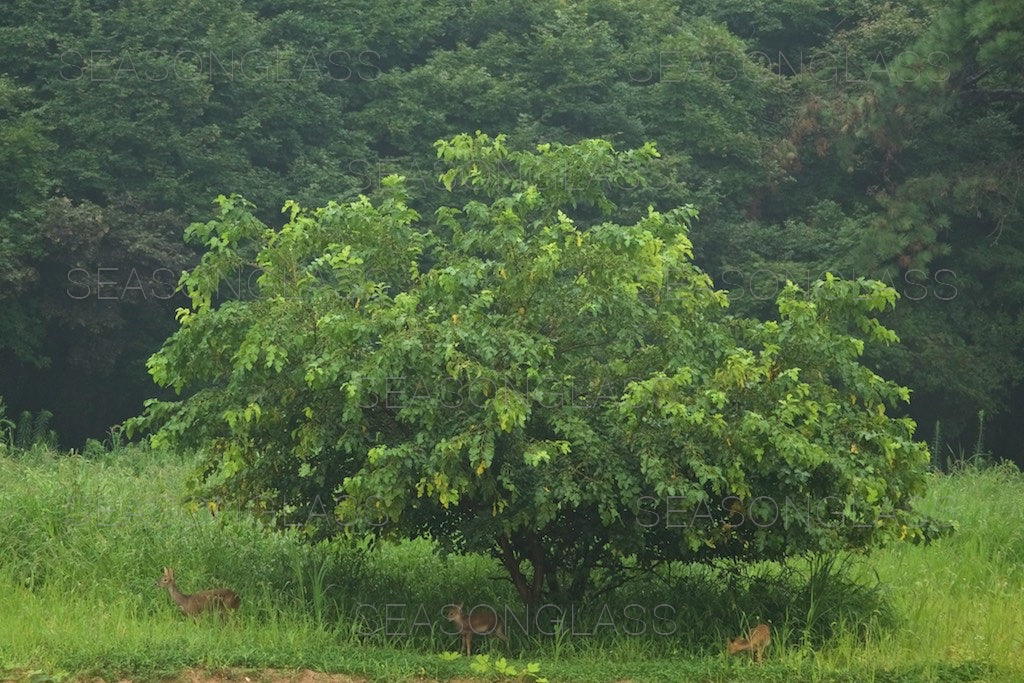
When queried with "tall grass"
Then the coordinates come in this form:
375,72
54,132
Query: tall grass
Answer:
82,541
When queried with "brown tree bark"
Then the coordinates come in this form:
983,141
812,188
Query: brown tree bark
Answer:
512,556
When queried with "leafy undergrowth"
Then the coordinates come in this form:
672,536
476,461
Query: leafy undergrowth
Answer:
82,542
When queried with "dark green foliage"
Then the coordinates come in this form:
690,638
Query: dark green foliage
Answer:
24,167
865,138
7,428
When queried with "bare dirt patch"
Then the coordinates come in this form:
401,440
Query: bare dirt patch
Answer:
246,676
266,676
196,675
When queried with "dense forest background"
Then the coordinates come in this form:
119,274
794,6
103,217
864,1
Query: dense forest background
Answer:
861,137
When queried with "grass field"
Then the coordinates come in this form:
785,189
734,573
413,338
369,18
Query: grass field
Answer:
82,542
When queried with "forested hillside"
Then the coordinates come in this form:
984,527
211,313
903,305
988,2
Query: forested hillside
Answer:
861,137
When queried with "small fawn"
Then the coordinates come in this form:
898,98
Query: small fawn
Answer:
485,622
756,642
192,605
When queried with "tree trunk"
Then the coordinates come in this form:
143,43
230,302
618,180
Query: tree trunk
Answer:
512,555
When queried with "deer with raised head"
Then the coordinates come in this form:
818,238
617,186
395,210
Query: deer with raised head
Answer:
481,623
193,605
756,642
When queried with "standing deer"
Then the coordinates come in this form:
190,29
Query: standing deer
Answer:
756,642
482,623
223,598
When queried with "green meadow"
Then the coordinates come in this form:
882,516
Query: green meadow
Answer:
83,540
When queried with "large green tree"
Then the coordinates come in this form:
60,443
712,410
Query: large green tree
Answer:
523,376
